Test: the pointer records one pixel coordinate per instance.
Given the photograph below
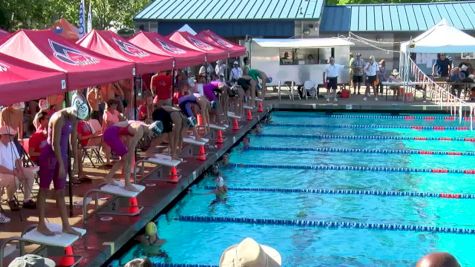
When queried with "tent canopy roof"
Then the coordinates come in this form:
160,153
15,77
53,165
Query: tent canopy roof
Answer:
83,67
23,81
160,45
218,41
114,46
194,42
303,43
441,38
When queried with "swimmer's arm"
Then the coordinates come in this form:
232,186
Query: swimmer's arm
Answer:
131,154
74,144
56,134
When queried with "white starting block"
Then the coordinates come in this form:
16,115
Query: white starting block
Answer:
60,239
192,141
234,116
218,127
167,171
121,195
196,148
248,107
259,99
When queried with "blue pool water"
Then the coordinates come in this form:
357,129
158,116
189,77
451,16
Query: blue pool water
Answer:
202,242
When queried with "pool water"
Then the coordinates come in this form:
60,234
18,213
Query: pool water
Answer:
203,242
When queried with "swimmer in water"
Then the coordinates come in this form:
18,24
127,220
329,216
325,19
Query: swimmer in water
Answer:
151,243
246,143
220,191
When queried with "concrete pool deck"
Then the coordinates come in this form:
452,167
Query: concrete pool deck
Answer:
103,239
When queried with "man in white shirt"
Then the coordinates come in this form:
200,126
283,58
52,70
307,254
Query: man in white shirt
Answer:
331,78
371,69
205,72
12,170
236,72
220,70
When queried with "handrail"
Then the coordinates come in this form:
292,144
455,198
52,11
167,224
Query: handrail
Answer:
4,243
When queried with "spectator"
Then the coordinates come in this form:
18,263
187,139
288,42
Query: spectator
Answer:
357,67
161,87
438,259
56,101
395,78
442,66
311,59
94,98
220,70
145,109
456,78
12,116
85,133
236,72
350,69
382,75
11,169
331,78
36,139
248,253
371,69
205,71
139,263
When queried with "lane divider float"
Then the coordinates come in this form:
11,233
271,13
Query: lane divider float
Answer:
370,137
371,126
354,116
349,168
329,224
351,192
363,150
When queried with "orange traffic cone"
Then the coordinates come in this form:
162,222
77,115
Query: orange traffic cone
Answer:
219,138
199,120
173,174
68,258
235,124
260,107
202,154
133,205
249,115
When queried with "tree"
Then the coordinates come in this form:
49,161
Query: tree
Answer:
40,14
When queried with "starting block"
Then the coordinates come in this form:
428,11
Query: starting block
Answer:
197,148
248,107
59,239
234,116
218,127
259,99
120,194
167,171
217,134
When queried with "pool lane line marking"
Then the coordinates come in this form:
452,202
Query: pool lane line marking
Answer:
329,224
370,137
349,168
352,192
363,150
159,264
370,126
394,117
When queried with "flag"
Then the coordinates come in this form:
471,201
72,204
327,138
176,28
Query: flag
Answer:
89,18
82,26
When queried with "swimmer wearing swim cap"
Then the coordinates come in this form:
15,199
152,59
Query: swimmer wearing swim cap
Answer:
151,243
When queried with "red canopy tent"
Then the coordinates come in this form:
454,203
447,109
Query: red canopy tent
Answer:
218,41
160,45
83,67
112,45
22,81
194,42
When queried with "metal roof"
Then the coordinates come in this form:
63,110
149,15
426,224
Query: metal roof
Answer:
411,17
232,10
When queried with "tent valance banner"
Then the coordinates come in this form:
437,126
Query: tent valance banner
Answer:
83,67
160,45
213,53
23,81
112,45
441,38
218,41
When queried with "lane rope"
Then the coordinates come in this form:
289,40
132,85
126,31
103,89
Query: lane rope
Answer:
363,150
370,137
370,126
351,192
349,168
329,224
358,116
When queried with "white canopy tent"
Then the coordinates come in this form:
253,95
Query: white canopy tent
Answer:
187,28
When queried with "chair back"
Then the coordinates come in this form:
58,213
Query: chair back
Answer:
95,126
307,85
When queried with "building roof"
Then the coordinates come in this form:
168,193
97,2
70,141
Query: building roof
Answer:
412,17
232,10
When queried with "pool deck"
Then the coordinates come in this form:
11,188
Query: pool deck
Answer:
103,239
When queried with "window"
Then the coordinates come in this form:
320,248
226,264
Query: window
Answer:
300,56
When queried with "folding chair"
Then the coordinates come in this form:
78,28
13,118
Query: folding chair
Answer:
92,148
309,89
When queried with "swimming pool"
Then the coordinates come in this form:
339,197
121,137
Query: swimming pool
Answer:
346,189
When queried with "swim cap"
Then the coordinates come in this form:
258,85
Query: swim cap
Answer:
80,106
214,104
269,80
191,121
151,228
156,127
219,181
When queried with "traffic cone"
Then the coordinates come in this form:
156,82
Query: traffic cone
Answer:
202,154
235,124
249,115
219,137
260,107
199,120
173,174
68,258
133,205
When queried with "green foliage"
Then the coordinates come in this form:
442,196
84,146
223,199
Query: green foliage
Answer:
39,14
